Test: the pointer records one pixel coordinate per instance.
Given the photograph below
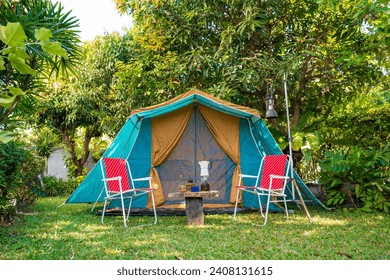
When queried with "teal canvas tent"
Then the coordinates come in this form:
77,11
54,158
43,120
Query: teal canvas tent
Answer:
166,141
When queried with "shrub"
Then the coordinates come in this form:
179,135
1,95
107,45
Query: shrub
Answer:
19,171
53,186
358,176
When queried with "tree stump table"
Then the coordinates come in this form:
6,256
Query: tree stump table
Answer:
194,205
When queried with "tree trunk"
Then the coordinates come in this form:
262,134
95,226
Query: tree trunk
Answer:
306,76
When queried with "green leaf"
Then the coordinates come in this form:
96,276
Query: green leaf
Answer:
7,102
15,91
13,34
386,209
6,136
329,202
282,143
43,34
307,154
54,48
313,140
297,142
2,67
367,210
9,50
18,61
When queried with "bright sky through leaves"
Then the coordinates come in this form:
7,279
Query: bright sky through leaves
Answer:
96,17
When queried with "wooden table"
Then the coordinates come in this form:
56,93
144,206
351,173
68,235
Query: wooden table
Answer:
194,205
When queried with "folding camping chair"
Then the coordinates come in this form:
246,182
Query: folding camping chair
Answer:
119,184
271,181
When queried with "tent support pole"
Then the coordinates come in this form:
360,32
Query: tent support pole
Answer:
289,134
296,185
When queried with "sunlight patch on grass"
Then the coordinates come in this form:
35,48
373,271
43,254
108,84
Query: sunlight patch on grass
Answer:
329,221
310,233
60,224
143,243
98,227
94,243
113,252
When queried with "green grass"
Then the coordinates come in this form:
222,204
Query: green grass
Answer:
68,232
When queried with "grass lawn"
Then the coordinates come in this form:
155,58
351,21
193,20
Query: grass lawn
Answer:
50,232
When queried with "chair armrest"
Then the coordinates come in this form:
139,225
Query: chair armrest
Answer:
112,179
145,189
142,179
245,187
272,192
247,176
279,177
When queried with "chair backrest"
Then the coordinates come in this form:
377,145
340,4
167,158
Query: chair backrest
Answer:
116,167
275,165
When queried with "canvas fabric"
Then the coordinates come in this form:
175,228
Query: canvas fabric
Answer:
167,130
196,143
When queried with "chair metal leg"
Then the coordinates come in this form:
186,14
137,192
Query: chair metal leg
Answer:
129,209
267,209
104,210
235,207
154,209
260,205
285,207
123,210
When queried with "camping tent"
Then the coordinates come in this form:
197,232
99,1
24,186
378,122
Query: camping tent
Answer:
166,141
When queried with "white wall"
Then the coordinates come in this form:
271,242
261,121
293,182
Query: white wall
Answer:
56,165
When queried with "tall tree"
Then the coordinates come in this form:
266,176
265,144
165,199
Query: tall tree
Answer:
239,49
80,108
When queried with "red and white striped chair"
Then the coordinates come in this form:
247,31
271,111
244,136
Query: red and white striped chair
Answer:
119,184
271,181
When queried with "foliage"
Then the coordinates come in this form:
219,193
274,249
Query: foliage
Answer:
360,121
13,37
60,51
237,49
67,112
376,23
104,57
19,171
355,169
361,175
36,39
53,186
50,232
44,142
80,109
